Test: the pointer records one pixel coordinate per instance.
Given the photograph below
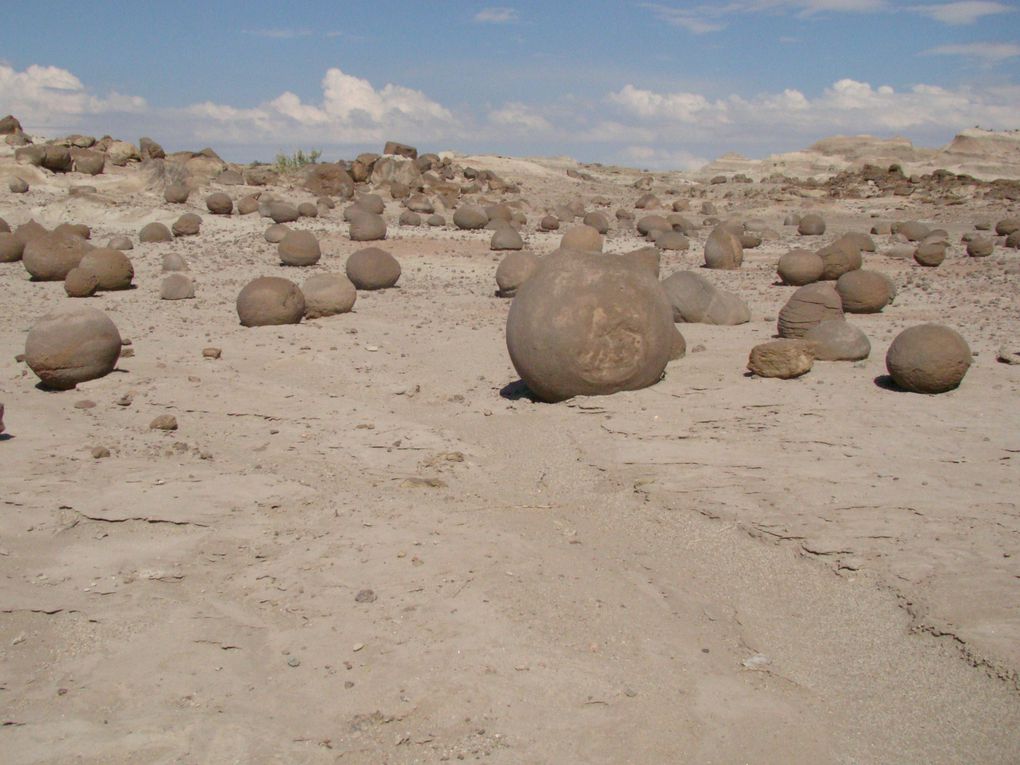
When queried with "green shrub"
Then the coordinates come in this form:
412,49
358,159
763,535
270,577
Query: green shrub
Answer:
296,160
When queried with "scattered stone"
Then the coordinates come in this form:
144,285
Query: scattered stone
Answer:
863,291
120,243
176,193
211,353
1007,226
187,225
695,300
164,422
470,218
723,249
100,452
308,210
177,286
672,241
808,306
930,254
365,596
155,232
328,295
248,205
436,220
50,257
173,261
980,247
911,230
71,346
88,162
928,358
811,224
299,248
85,404
506,238
112,268
17,185
585,324
840,257
275,233
597,221
581,238
372,269
367,227
80,283
784,359
11,248
649,223
1006,354
281,212
409,218
270,300
799,267
549,223
219,203
515,269
838,341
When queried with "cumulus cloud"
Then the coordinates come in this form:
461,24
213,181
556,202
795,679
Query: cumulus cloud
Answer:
496,15
964,12
48,97
516,115
985,51
657,158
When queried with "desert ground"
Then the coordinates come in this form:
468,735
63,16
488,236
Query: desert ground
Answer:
365,543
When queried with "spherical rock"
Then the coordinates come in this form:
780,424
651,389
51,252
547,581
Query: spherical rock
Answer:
80,283
10,248
839,258
120,243
219,203
723,250
648,258
71,346
173,261
928,358
371,203
695,300
299,248
308,210
1007,226
176,193
582,238
435,220
281,212
187,225
328,295
419,203
155,232
679,345
792,219
372,269
1013,240
112,268
597,221
811,224
784,359
549,223
672,240
17,185
74,229
506,238
89,162
863,291
408,218
809,305
50,257
838,341
470,218
248,205
275,233
799,267
930,254
863,242
270,300
515,269
980,247
177,286
367,227
585,324
649,223
912,230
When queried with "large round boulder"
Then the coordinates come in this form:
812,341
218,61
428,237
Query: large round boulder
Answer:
275,233
281,212
155,232
582,238
649,223
980,247
328,295
928,358
930,254
50,257
863,291
808,306
695,300
585,324
470,218
373,269
840,257
811,224
912,230
299,248
799,267
1007,226
176,193
723,249
515,269
177,286
80,283
505,237
188,224
71,346
838,341
11,248
270,300
367,227
219,203
112,268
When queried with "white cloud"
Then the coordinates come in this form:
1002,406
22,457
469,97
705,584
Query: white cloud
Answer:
516,115
986,51
496,15
50,97
659,159
964,12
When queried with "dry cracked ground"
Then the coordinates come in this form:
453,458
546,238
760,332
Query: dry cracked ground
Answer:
364,545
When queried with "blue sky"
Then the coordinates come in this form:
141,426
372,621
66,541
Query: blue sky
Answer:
655,84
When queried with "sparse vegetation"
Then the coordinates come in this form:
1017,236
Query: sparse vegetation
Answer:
296,160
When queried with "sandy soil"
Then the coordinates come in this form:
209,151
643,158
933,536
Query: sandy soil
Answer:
364,545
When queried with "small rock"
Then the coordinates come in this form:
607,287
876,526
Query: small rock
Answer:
758,661
293,661
125,400
784,359
1005,354
100,452
211,353
365,596
164,422
84,404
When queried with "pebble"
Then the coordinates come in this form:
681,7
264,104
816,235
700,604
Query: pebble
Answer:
366,596
211,353
100,452
164,422
84,404
293,661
